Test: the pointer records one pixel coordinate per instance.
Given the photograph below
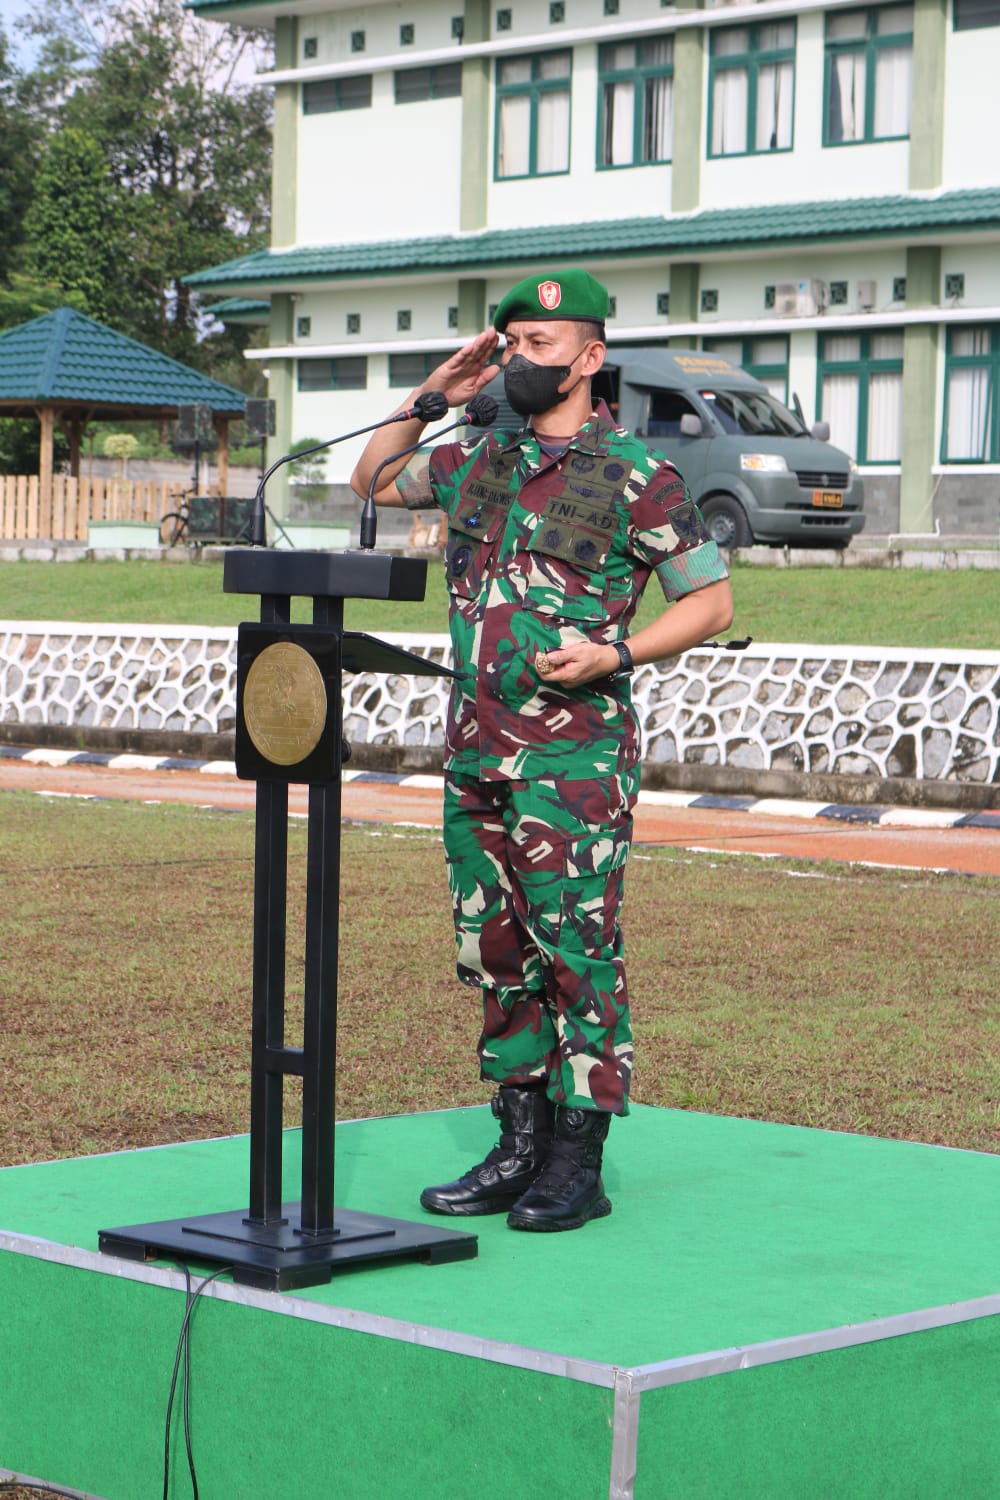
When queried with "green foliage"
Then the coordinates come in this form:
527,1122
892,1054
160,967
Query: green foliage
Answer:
24,298
73,241
309,473
154,162
17,160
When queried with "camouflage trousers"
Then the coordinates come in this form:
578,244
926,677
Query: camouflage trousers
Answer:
536,871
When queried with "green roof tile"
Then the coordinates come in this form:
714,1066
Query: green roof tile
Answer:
713,229
66,356
240,310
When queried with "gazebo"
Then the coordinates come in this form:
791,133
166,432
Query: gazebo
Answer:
66,368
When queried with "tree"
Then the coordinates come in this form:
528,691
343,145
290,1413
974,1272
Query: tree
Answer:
71,227
17,162
185,141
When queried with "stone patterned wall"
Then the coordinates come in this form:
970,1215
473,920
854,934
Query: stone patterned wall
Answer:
929,715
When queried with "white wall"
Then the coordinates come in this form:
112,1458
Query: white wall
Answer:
971,115
810,170
388,172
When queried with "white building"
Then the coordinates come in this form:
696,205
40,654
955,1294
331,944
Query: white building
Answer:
812,188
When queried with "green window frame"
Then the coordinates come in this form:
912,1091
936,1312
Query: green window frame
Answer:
868,73
970,432
975,15
348,372
412,367
765,358
324,96
415,85
636,102
751,89
532,132
859,383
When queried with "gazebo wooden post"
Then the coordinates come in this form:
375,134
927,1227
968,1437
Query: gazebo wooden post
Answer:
46,418
220,422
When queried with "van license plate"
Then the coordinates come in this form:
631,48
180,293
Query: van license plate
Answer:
829,499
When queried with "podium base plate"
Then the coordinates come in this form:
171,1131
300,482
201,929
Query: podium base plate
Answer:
281,1257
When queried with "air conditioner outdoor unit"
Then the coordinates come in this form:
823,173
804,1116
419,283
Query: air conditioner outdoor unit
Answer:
866,296
799,299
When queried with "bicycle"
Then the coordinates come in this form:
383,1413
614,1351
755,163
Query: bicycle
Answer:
175,524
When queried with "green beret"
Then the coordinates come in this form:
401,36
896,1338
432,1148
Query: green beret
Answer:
575,295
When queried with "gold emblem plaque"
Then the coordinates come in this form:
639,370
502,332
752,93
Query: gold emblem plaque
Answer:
284,703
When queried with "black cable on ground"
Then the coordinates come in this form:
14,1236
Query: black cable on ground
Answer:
184,1351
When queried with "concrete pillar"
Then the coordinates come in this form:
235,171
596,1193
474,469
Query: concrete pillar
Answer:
689,117
284,169
476,95
281,389
920,394
930,42
471,307
684,280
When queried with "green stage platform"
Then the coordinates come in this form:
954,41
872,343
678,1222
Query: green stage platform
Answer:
770,1311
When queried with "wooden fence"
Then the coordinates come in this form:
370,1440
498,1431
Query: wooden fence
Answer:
26,514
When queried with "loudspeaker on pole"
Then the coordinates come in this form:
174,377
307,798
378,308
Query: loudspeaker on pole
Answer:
259,417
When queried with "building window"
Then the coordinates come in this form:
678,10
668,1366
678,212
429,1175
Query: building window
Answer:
765,359
347,374
357,41
303,327
970,402
406,34
970,15
752,85
869,63
635,122
413,85
310,47
532,131
860,381
328,94
409,370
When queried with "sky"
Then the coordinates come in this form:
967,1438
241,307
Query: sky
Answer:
10,10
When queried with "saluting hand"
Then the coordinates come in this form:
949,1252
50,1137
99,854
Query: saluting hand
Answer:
462,375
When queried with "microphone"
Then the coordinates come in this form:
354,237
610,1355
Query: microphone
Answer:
427,408
480,412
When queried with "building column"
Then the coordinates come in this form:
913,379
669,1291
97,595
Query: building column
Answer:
471,306
281,389
689,117
475,121
684,282
930,44
920,393
284,169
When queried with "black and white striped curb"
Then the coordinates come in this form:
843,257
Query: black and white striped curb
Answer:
841,812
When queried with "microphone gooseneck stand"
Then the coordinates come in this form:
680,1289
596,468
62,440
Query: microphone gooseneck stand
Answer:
289,730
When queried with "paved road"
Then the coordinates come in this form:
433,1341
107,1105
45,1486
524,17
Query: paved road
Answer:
910,840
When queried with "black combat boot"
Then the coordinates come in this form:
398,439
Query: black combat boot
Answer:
568,1191
526,1118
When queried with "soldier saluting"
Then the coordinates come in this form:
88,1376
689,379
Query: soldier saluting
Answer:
553,532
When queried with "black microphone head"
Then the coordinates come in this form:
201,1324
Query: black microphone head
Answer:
430,406
482,410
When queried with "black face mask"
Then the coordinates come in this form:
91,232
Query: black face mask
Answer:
532,388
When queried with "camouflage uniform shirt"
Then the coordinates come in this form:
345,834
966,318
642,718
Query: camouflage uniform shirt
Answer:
542,553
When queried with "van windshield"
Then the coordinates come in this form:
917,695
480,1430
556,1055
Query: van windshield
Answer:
753,412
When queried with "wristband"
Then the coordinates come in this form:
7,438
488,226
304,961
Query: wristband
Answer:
625,666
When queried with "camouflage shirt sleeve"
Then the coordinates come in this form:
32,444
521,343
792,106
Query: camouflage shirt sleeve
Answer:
667,531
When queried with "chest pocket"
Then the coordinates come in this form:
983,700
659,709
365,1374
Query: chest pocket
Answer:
473,532
578,524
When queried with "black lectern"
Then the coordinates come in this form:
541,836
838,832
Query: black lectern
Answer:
288,729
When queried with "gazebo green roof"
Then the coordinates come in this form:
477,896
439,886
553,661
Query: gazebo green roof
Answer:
902,216
68,360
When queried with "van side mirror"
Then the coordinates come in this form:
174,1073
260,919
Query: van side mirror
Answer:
691,425
821,431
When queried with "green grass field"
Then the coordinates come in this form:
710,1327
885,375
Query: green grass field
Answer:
854,999
823,606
